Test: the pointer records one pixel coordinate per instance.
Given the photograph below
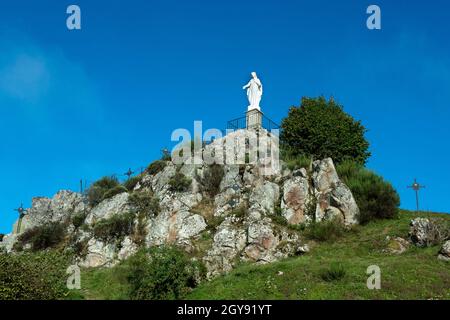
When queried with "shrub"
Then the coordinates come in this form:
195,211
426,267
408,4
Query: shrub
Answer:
279,219
114,191
116,227
321,129
162,273
33,276
239,212
212,178
131,183
376,198
294,161
179,182
335,272
165,155
97,191
78,219
1,237
42,237
80,248
156,166
328,230
145,202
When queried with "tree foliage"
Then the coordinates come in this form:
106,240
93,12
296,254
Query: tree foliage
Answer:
321,129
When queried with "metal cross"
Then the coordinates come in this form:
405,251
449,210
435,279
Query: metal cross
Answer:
21,210
129,173
416,187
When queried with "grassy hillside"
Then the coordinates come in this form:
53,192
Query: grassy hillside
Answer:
332,270
415,274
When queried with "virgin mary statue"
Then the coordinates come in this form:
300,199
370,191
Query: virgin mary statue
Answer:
254,92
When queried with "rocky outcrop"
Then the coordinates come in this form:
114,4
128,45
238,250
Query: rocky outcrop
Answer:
444,253
334,198
424,232
108,208
297,201
396,245
240,223
57,209
100,254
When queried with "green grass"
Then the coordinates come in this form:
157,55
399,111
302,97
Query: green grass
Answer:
416,274
332,270
104,284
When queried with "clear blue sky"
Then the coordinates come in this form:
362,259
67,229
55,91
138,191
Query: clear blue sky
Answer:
83,104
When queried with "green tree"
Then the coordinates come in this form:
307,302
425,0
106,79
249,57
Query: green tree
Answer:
321,129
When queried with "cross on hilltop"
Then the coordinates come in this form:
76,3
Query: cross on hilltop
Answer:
416,187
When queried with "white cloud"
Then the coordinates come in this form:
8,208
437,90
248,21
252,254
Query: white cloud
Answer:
40,82
26,77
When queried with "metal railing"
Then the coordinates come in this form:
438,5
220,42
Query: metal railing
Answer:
241,123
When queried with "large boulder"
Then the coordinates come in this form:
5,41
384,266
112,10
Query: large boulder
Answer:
176,227
334,199
100,254
444,253
107,208
297,198
229,241
424,232
127,248
264,197
396,245
57,209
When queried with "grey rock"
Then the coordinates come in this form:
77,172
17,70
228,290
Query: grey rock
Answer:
100,254
8,242
396,245
229,240
296,199
128,248
264,196
109,207
444,253
174,227
58,209
334,199
424,233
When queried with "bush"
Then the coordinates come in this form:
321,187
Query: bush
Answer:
212,178
42,237
100,188
116,227
145,202
279,219
1,237
321,129
78,219
114,191
33,276
165,155
240,211
328,230
162,273
179,182
156,166
376,198
294,161
131,183
334,273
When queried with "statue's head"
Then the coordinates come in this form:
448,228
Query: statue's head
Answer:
254,74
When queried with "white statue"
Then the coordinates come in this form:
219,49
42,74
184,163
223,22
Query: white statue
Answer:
254,92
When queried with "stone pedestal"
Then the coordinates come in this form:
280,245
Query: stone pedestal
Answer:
253,119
